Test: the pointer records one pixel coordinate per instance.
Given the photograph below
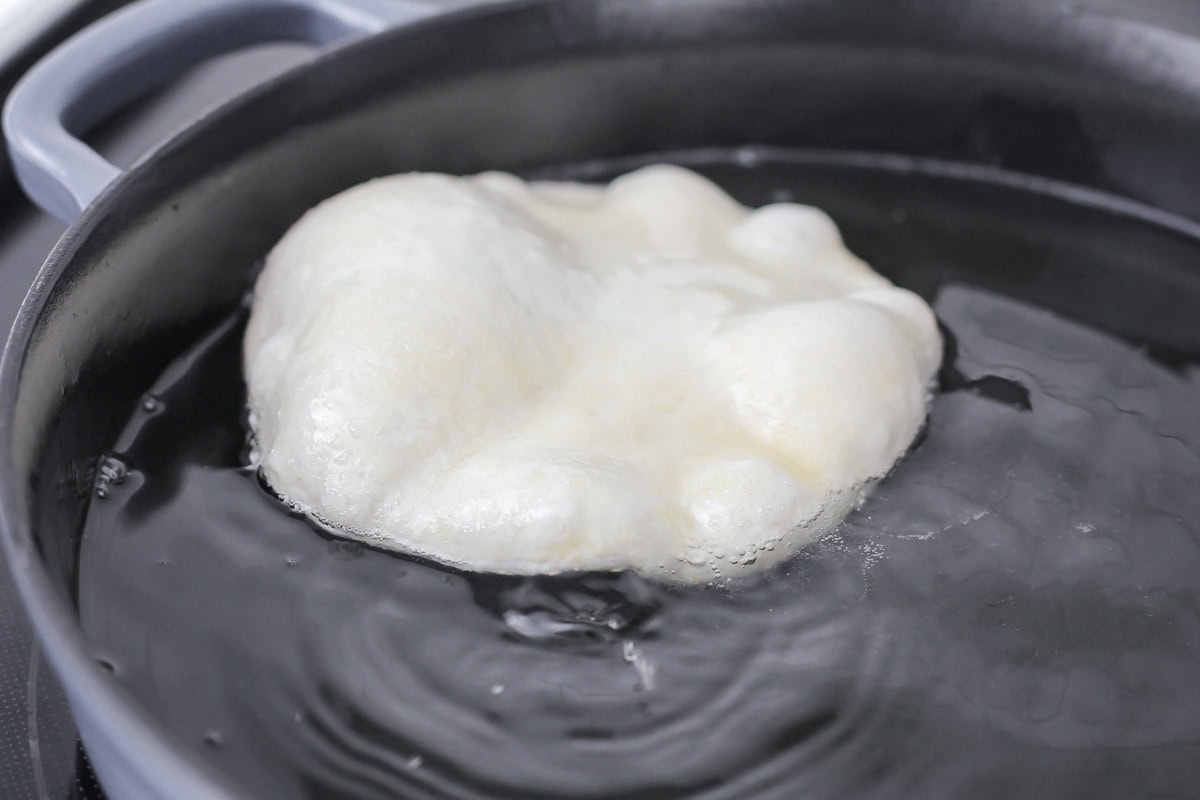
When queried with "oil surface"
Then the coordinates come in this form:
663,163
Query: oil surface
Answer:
1012,613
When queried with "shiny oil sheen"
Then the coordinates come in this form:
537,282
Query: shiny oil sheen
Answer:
1012,613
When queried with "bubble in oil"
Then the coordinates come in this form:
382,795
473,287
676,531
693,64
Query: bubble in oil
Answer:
112,472
589,610
645,668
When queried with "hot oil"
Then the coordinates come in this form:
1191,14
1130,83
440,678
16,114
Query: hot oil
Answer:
1011,613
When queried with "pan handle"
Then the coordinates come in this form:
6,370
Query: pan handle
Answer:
143,46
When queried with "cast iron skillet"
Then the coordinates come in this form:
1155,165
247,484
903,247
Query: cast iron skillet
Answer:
1073,99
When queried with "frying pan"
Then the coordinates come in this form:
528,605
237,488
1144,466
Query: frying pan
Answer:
1074,105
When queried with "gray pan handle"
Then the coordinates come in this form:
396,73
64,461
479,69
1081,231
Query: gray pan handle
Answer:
137,49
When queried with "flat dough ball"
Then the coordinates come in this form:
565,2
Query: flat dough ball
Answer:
537,377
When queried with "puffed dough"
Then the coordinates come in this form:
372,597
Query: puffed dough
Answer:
541,377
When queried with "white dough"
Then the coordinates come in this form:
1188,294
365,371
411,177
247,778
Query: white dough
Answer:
532,378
